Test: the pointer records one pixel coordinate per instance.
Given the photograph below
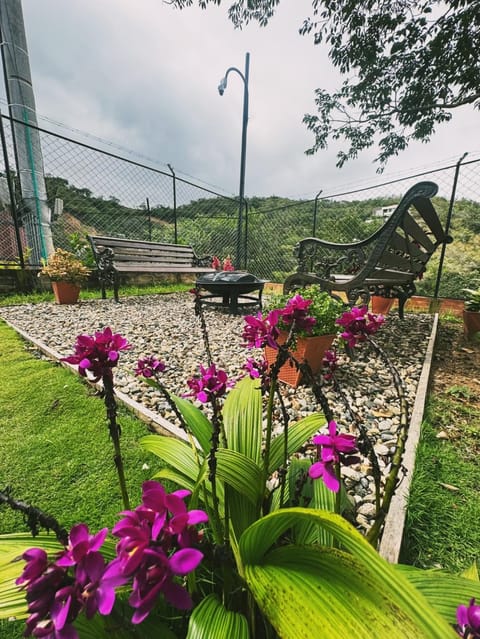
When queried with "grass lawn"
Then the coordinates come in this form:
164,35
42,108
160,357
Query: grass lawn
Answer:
10,299
56,453
441,528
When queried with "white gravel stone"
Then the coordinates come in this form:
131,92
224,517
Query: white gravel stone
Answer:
166,326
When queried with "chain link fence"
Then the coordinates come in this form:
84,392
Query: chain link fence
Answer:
90,190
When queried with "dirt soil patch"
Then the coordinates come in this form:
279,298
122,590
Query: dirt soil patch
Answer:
456,375
456,360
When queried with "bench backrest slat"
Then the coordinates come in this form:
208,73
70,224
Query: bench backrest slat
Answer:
430,216
142,252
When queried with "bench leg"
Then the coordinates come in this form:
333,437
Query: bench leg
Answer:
116,286
401,303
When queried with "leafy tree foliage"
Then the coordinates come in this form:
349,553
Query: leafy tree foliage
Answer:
408,65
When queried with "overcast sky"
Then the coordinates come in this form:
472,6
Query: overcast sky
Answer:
144,76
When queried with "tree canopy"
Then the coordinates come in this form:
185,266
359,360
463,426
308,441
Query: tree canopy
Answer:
407,65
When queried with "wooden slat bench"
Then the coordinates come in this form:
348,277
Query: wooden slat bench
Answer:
386,264
116,255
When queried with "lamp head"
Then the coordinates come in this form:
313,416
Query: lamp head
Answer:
222,86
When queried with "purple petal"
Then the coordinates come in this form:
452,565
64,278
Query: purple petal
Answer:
105,599
185,560
330,479
197,517
98,539
177,596
316,470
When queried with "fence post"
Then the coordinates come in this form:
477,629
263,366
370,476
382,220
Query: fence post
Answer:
149,220
11,194
315,213
447,224
245,203
175,232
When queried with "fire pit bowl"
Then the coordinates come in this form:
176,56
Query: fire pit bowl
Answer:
230,290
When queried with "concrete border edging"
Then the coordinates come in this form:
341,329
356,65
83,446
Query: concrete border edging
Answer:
391,541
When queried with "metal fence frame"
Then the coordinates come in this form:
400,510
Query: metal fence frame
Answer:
150,203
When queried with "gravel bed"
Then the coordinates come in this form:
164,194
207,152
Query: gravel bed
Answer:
165,325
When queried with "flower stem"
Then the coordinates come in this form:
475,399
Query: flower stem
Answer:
34,516
114,429
283,469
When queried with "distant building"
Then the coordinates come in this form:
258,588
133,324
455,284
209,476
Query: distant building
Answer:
384,211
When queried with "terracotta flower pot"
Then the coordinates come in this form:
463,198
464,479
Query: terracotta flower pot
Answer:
65,292
471,323
309,349
381,304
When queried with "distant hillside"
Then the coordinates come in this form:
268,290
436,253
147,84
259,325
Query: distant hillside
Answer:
275,225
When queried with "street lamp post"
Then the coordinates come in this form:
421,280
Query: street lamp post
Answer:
221,89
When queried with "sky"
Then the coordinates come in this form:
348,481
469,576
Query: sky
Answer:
144,76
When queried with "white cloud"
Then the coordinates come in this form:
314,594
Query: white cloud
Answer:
145,76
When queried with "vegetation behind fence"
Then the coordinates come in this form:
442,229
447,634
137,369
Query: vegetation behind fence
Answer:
90,190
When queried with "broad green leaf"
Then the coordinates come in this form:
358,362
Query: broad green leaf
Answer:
471,572
211,620
242,417
241,473
176,477
311,533
404,611
331,591
174,452
298,434
242,513
444,592
196,421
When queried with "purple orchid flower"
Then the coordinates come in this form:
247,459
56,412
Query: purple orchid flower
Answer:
211,384
155,545
332,449
468,618
359,323
261,331
149,367
333,444
296,311
97,353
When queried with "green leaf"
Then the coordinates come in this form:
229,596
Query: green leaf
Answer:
329,590
196,421
176,477
174,452
211,620
309,532
471,572
444,592
298,434
242,417
318,583
241,473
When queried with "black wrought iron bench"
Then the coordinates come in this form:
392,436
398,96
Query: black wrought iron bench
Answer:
116,255
386,264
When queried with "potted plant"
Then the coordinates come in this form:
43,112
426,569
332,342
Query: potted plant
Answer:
66,273
471,313
310,346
